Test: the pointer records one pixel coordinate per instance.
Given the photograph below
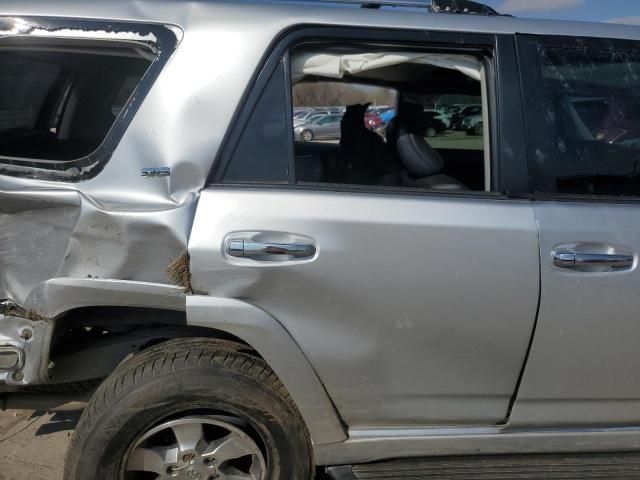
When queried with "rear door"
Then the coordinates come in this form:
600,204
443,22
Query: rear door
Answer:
414,307
584,154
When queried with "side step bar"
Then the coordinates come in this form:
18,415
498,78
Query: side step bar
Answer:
504,467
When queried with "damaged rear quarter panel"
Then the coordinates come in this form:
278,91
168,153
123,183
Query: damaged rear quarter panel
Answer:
64,234
35,229
118,225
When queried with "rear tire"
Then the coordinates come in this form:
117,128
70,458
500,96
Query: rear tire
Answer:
173,383
307,135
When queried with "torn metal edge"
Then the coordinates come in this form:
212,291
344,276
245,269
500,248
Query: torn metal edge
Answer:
9,308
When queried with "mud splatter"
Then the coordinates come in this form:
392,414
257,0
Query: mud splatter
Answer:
179,272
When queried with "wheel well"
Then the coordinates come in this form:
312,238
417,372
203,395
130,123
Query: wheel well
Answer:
88,343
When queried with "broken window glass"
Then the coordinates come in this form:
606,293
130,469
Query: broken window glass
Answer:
59,102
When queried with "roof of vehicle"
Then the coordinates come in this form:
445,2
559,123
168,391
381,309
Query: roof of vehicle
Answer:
248,14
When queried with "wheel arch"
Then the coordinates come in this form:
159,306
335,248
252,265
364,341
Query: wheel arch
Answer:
92,302
281,352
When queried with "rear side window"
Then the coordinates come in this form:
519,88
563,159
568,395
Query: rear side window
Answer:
69,89
339,115
59,103
24,86
584,119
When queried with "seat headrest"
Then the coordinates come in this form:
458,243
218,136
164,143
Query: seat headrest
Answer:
353,117
409,113
407,117
352,126
418,157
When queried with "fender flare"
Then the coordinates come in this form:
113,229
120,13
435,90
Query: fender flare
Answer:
243,320
274,343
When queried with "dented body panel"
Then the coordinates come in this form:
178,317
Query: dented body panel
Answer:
115,230
113,234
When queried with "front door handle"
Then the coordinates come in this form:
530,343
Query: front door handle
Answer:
576,260
269,251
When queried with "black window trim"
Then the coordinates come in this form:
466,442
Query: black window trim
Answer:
526,45
166,40
288,101
501,47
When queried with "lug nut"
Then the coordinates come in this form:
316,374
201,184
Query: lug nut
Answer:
188,457
172,471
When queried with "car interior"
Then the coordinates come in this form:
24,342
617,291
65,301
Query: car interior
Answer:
399,153
58,103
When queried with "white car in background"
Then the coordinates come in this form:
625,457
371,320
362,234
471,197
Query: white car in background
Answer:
473,125
440,115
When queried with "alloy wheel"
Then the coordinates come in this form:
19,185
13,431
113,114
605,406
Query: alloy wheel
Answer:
196,448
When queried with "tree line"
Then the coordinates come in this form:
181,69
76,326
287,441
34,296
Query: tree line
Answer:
340,94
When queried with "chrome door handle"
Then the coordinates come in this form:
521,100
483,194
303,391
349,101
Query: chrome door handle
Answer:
564,258
268,251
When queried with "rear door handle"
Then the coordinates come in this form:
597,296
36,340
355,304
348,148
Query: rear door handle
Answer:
576,260
269,251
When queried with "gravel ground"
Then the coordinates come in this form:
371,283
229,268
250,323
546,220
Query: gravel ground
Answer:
33,444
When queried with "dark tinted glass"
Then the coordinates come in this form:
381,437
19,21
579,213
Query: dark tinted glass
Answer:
261,154
24,85
585,139
57,103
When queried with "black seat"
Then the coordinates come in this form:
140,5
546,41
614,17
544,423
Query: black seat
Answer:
408,118
423,164
364,154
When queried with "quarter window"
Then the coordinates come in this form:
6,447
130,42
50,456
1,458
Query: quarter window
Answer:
261,155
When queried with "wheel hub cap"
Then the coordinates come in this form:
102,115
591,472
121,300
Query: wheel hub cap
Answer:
196,448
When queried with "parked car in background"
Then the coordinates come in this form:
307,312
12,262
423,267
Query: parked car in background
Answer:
310,116
450,110
443,117
468,111
472,124
372,120
387,114
433,123
321,127
301,114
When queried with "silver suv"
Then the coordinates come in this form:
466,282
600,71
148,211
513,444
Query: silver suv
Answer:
236,303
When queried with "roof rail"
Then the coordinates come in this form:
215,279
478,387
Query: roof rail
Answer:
437,6
462,6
